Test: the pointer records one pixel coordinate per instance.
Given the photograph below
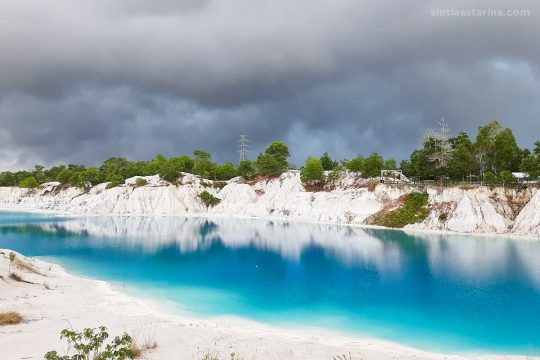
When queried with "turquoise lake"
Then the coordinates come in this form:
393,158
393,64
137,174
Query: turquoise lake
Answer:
460,294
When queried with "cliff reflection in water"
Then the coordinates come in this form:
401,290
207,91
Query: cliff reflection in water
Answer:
467,258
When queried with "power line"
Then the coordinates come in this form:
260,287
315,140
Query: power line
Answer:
243,146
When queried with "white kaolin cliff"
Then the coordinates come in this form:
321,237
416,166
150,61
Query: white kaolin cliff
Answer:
474,210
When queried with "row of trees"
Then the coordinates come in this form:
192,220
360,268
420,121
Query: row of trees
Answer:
491,157
273,161
493,154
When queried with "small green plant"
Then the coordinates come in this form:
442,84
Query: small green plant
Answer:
12,258
29,183
141,182
209,199
90,345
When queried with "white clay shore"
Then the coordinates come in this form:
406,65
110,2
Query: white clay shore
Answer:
78,302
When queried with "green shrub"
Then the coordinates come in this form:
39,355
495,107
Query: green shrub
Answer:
29,183
115,180
209,199
89,345
141,182
414,210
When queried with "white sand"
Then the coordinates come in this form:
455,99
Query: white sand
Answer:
78,302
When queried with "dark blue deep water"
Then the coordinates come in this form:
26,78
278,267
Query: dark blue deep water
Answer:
437,292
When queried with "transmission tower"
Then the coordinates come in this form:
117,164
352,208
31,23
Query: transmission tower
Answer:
243,146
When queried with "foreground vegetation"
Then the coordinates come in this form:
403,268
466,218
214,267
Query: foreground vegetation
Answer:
491,157
89,344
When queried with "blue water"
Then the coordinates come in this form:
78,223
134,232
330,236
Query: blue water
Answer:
437,292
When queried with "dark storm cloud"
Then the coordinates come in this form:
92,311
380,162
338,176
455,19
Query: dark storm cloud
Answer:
84,80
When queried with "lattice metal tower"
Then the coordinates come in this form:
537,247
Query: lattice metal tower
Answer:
243,146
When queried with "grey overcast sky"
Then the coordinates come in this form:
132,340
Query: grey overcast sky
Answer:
84,80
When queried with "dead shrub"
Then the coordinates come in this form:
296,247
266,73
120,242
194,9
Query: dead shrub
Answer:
10,318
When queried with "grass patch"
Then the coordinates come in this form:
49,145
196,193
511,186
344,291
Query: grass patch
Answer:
10,318
139,348
413,210
142,341
26,266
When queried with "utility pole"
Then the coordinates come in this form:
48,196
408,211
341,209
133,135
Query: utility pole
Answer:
243,146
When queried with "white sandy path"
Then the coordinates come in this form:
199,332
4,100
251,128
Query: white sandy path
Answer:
78,302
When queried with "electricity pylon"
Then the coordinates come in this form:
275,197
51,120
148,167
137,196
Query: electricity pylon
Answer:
243,146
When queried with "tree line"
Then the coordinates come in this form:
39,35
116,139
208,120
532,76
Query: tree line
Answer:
490,157
273,161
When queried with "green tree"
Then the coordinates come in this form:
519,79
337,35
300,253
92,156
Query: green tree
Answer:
506,177
390,164
490,178
39,174
274,160
77,179
506,154
246,169
64,175
355,165
116,168
93,176
29,183
7,179
462,162
373,165
407,168
484,145
312,171
225,171
203,164
327,162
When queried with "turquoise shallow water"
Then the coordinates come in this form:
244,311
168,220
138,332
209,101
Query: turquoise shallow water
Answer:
436,292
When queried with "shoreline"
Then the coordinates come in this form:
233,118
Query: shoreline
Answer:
406,230
74,301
